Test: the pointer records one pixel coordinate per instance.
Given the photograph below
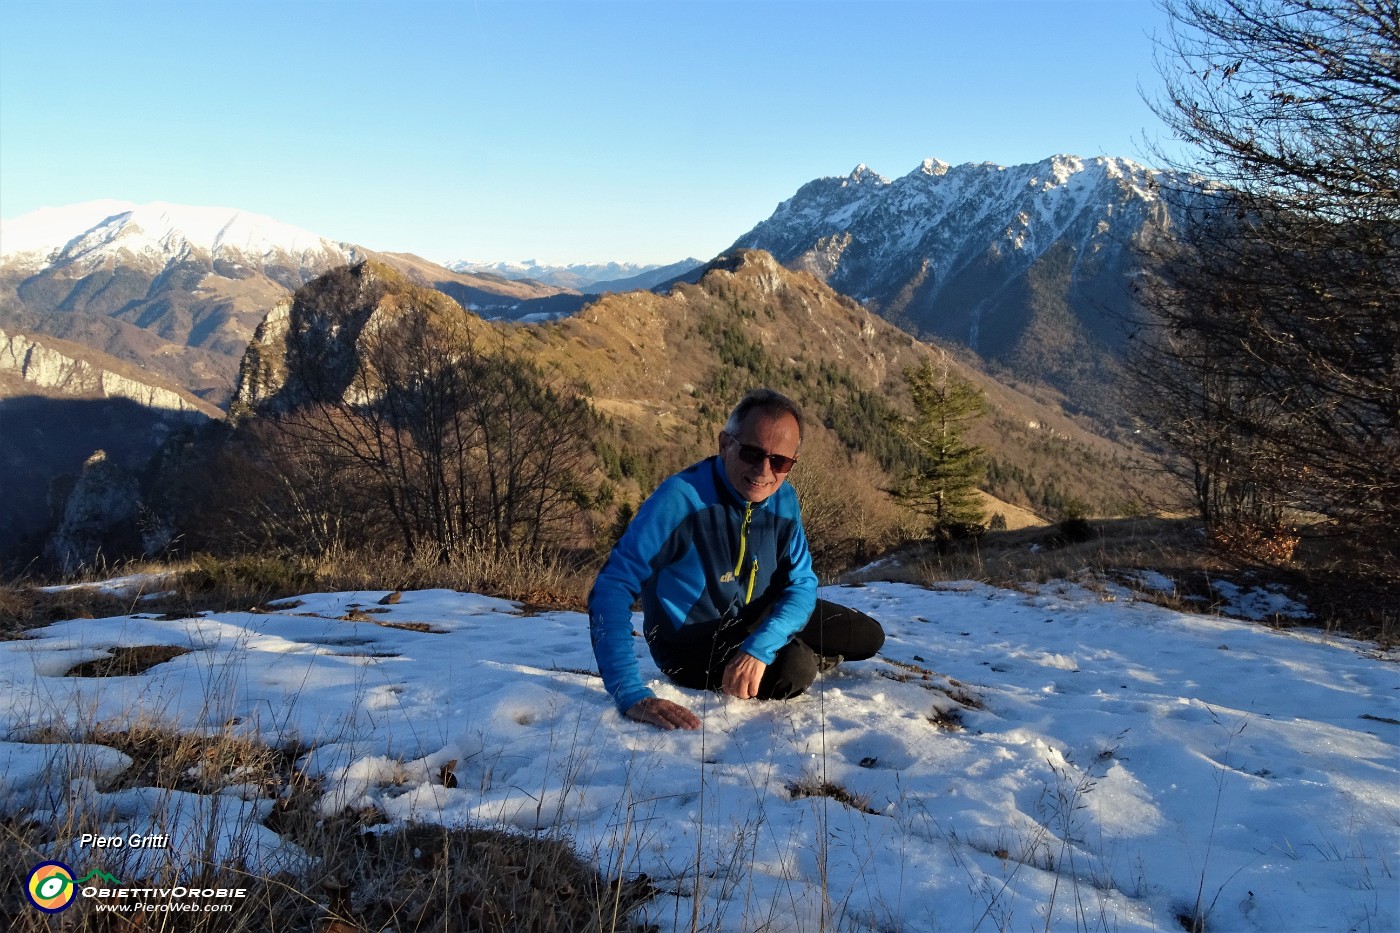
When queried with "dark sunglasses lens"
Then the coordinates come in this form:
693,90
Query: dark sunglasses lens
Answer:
755,455
751,455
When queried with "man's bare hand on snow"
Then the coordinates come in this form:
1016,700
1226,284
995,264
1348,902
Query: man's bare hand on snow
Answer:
663,714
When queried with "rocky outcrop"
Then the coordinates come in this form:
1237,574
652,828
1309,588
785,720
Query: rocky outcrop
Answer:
40,367
101,519
310,348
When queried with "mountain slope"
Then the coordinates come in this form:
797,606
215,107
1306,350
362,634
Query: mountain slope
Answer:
1030,266
670,366
179,289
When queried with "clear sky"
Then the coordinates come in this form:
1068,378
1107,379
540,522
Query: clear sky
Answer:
580,131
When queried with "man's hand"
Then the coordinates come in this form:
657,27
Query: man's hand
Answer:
663,714
742,676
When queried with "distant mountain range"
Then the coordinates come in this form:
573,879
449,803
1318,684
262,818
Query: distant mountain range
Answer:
180,289
1030,266
591,278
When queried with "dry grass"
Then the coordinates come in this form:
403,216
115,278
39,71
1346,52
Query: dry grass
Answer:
166,758
407,878
218,584
816,787
537,581
1043,554
424,877
1321,574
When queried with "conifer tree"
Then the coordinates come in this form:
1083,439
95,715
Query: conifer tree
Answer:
944,483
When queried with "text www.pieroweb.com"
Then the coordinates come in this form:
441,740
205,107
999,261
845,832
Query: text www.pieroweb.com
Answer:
163,908
162,900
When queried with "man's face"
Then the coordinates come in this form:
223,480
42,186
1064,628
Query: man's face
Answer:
762,432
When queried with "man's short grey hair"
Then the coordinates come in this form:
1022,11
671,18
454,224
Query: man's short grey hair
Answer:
769,402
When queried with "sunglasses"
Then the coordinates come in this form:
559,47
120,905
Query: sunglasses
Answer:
753,456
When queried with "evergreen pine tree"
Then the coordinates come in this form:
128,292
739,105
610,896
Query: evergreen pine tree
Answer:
944,483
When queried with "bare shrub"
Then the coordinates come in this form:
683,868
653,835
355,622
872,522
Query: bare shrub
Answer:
847,518
1254,541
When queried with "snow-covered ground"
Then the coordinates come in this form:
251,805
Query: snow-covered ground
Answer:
1069,751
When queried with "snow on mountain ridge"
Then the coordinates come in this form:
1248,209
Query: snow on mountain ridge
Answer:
998,259
158,231
937,199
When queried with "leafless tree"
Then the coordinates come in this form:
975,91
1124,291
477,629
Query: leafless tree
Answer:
1272,371
400,410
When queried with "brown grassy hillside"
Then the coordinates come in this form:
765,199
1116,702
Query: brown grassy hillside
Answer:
672,365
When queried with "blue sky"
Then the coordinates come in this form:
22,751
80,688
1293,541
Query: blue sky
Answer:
578,131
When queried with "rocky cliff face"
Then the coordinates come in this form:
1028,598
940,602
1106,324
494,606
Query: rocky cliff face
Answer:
100,519
309,348
31,364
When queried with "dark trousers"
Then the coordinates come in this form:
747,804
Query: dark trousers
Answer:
833,633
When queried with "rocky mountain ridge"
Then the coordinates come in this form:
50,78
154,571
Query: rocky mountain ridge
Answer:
671,364
1029,266
37,365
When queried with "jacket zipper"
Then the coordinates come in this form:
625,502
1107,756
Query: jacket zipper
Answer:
743,548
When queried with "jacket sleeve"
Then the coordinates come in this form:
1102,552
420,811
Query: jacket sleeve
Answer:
617,587
794,606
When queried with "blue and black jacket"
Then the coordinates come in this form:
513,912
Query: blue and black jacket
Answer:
699,555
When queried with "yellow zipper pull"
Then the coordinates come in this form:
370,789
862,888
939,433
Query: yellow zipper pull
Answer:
753,576
743,540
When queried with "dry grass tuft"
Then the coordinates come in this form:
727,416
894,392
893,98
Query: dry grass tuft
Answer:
541,582
25,607
127,661
814,787
166,758
425,877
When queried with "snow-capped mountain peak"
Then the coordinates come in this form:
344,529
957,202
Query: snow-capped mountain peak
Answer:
862,174
934,167
43,230
159,233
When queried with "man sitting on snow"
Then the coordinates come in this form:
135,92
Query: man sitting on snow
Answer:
719,558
